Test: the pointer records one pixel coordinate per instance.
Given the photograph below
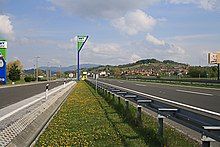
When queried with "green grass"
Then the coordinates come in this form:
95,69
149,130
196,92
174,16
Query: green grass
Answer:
86,119
148,127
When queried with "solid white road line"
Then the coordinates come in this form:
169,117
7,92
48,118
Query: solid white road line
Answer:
121,82
193,92
141,85
24,106
166,100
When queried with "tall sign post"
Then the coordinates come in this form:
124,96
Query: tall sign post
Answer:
3,53
81,40
214,58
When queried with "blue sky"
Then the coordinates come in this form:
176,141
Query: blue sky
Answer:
121,31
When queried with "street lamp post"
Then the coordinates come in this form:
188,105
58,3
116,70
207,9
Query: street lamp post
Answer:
48,71
37,57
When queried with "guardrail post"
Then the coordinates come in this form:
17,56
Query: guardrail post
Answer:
205,144
205,141
119,100
160,123
104,92
127,105
113,96
139,113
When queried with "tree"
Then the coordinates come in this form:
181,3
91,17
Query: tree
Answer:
16,62
117,72
14,73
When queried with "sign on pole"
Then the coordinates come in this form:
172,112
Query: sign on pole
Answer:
214,58
3,53
81,40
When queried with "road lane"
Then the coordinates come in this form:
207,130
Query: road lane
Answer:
210,100
11,95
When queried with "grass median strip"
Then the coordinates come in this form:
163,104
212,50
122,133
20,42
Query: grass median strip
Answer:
86,119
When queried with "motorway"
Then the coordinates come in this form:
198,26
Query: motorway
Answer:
208,99
11,95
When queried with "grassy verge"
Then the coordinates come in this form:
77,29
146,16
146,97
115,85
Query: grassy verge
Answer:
86,119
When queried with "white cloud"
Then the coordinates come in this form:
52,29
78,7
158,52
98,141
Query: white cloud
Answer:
205,4
134,22
105,48
101,8
6,28
154,40
167,48
135,58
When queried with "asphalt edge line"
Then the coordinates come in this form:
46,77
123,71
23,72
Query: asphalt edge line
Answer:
29,104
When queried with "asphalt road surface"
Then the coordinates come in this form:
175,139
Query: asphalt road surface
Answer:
11,95
208,99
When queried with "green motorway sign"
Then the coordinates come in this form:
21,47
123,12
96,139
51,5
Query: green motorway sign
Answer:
81,41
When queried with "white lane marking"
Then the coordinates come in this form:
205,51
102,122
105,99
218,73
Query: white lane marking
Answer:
24,106
140,85
193,92
121,82
169,101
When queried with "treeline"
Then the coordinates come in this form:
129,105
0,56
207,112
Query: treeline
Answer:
203,72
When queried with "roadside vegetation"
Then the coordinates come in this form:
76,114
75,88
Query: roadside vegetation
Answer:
87,119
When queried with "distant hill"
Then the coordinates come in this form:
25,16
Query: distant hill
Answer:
145,67
63,69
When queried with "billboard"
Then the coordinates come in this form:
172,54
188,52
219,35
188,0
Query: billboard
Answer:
3,54
214,58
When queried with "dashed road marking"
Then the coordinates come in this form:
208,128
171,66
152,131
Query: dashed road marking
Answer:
193,92
141,85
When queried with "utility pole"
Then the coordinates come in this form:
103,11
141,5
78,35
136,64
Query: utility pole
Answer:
34,71
37,57
47,71
60,72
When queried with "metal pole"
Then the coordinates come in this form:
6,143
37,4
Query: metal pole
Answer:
139,114
160,122
96,84
47,71
34,71
37,68
127,105
78,74
218,72
205,144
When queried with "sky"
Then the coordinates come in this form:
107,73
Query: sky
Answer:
120,31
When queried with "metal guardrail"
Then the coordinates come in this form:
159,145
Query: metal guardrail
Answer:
185,117
201,81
